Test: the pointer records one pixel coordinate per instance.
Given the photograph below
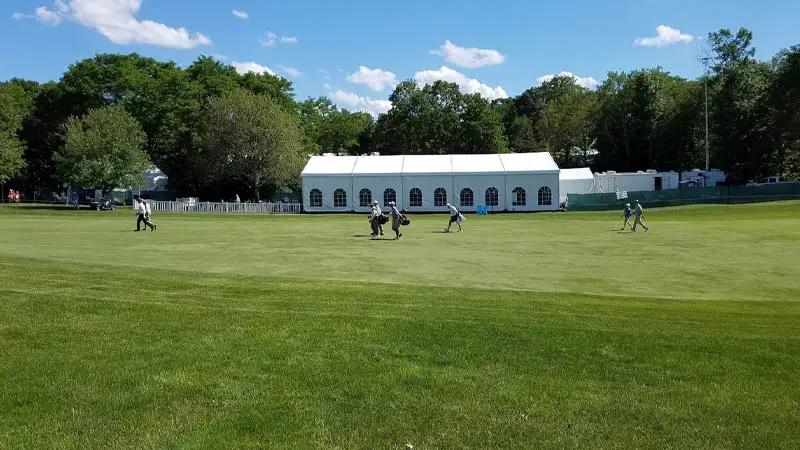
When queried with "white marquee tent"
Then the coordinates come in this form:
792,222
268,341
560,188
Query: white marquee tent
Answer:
575,181
505,182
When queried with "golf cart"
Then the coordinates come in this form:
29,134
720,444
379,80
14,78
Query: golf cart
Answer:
102,205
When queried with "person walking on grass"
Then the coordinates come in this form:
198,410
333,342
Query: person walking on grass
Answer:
141,212
455,218
380,213
396,220
374,220
638,213
627,215
148,216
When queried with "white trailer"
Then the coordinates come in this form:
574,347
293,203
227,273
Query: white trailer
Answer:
650,180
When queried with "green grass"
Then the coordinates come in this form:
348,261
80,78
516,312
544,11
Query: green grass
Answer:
525,331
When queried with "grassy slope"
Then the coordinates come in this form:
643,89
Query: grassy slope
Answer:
683,337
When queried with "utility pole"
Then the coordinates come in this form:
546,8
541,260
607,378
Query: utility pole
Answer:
705,82
704,59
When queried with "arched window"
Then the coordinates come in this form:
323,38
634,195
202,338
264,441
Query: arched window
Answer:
492,197
467,197
339,198
518,197
440,197
365,198
389,195
315,198
545,196
415,198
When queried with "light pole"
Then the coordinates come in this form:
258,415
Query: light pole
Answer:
705,83
704,58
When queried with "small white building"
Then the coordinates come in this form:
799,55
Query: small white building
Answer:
575,181
425,183
650,180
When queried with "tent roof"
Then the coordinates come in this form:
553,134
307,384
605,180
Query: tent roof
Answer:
528,162
330,165
427,164
477,164
513,163
379,165
583,173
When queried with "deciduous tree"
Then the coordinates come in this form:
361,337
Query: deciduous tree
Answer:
104,150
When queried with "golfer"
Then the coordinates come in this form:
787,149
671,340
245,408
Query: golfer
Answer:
380,213
627,215
148,216
396,219
455,217
141,211
374,220
638,213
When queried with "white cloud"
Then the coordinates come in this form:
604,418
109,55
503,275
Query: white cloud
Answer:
115,19
291,71
327,87
217,56
246,67
269,39
469,57
240,14
21,16
466,85
52,17
665,36
375,79
586,82
366,104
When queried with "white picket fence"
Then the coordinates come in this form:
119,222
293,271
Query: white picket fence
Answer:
226,208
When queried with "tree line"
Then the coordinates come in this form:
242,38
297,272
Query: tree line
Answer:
214,131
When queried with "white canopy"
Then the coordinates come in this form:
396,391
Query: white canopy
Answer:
508,163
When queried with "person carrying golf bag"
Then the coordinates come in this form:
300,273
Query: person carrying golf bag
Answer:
397,220
375,220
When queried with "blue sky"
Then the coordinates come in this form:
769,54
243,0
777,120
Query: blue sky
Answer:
356,53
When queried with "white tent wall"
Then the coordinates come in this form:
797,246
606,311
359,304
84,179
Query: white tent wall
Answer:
479,184
377,185
328,185
428,184
453,173
575,181
531,183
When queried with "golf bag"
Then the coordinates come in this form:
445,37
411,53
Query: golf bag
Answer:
404,220
383,219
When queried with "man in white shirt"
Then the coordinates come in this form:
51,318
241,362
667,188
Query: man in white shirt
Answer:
141,211
638,212
148,216
455,217
375,219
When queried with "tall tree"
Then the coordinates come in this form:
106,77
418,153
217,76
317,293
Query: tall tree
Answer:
16,104
437,119
251,138
646,120
741,111
328,129
785,99
104,150
565,123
